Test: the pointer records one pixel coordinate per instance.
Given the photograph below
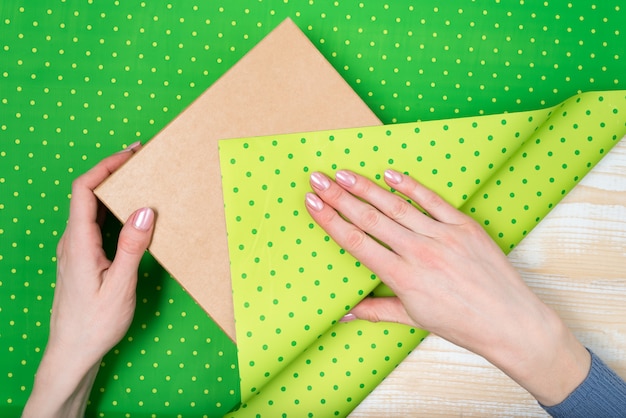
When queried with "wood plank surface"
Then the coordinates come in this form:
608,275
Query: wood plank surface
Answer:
575,260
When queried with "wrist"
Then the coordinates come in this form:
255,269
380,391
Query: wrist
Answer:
62,386
550,364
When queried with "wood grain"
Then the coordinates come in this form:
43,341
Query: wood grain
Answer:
575,260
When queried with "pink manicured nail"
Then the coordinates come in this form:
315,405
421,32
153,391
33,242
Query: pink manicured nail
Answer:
314,202
393,176
320,181
345,178
143,219
131,147
348,317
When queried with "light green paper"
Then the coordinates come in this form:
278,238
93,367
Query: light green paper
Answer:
291,283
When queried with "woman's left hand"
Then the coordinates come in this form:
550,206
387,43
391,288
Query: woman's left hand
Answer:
94,298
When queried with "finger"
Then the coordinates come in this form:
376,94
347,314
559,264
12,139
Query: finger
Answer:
351,238
134,239
395,207
363,215
84,204
385,309
428,200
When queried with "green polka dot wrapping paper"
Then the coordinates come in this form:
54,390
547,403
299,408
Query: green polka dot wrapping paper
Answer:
80,80
292,283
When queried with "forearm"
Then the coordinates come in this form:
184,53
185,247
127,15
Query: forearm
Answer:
61,388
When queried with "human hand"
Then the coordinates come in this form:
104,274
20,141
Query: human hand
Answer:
450,278
94,298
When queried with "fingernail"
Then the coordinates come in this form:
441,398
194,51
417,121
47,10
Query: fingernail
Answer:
131,147
393,176
320,181
314,202
348,317
143,219
345,178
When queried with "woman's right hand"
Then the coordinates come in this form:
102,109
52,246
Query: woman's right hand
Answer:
449,277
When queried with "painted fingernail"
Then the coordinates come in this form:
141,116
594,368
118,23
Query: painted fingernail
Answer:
320,181
348,317
345,178
314,202
143,219
131,147
393,176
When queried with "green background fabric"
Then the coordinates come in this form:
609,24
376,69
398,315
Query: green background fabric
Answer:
79,80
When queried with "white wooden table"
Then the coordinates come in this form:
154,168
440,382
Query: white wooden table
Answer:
575,260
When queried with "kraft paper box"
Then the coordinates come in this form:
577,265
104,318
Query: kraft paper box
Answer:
282,85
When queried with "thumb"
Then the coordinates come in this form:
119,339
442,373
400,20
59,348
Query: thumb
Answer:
133,241
380,309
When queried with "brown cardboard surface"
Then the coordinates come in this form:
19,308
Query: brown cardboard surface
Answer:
282,85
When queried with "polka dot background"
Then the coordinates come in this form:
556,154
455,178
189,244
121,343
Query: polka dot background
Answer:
291,283
79,81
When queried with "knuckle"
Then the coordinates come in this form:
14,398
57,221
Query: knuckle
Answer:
364,187
432,201
131,243
77,184
370,219
355,239
473,228
399,209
